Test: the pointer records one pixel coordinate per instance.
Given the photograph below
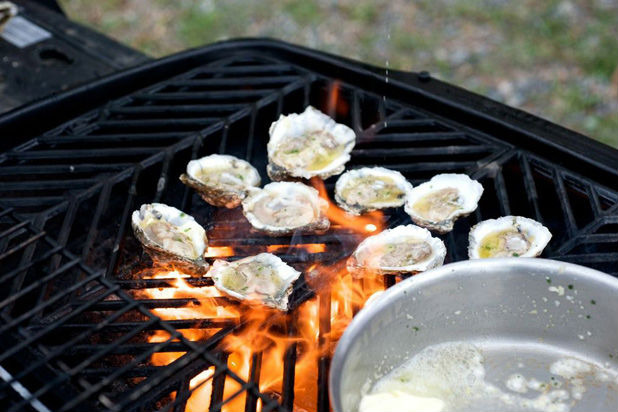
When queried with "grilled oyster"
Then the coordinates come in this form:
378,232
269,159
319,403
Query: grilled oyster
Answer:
438,203
307,145
507,236
264,278
7,11
370,188
169,234
221,180
281,208
403,249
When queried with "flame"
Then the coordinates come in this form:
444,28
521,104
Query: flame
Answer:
269,336
226,251
365,224
219,251
335,105
201,385
309,247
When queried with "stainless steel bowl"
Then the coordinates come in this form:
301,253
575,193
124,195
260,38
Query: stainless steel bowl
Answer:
514,309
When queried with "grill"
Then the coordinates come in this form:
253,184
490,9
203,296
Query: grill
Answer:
76,321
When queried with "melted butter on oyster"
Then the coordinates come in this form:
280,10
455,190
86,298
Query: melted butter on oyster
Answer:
312,151
264,278
224,177
284,211
221,180
508,236
366,189
171,238
373,189
438,203
282,208
505,243
168,234
405,253
308,144
403,249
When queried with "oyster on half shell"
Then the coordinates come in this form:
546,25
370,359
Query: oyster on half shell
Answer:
281,208
370,188
438,203
264,278
170,235
221,180
308,144
402,250
8,10
507,236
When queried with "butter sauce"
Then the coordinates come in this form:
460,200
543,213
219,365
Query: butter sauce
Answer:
451,377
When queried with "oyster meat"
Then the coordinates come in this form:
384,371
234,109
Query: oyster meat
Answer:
307,145
168,234
281,208
371,188
401,250
221,180
508,236
438,203
264,278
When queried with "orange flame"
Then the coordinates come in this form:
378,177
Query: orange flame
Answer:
365,224
335,105
309,247
219,251
308,333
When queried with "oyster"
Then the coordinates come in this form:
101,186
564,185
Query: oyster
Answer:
307,145
8,10
221,180
169,234
264,277
508,236
282,208
403,249
370,188
438,203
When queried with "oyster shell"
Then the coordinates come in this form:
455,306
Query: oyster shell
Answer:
281,208
403,249
307,145
8,10
221,180
264,278
169,234
371,188
508,236
438,203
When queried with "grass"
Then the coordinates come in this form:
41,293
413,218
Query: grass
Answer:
556,58
303,12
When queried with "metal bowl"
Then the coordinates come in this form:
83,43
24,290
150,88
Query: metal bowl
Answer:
514,309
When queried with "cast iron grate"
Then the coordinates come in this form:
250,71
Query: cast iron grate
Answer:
74,332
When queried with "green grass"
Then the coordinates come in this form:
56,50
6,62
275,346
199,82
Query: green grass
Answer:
570,48
365,12
192,25
304,12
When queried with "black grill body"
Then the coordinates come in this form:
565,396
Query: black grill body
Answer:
71,55
73,168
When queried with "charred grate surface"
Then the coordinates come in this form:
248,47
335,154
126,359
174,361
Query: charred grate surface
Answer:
74,333
90,354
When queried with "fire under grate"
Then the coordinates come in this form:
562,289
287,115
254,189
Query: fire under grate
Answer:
77,323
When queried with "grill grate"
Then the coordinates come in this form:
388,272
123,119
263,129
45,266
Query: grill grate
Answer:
74,326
